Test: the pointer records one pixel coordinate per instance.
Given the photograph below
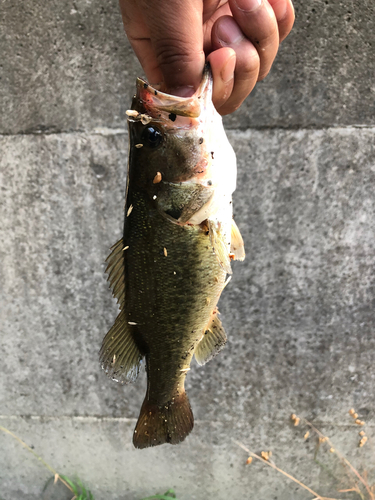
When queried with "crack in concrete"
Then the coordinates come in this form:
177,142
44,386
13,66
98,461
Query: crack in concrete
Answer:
106,131
98,418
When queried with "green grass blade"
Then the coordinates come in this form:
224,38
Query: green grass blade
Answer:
71,484
81,493
170,494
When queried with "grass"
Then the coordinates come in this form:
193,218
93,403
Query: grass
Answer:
357,482
78,490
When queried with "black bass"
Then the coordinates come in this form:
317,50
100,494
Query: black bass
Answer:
170,267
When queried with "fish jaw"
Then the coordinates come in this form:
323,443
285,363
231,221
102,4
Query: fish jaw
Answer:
155,101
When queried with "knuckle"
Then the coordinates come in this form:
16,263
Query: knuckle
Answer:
269,39
248,71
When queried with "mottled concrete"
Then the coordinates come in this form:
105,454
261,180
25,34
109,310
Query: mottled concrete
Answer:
209,465
298,311
68,66
299,315
324,74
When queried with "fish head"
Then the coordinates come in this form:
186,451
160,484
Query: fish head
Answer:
177,139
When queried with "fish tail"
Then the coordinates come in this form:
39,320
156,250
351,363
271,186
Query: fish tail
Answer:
167,423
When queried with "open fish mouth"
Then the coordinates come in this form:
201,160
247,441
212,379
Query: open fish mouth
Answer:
154,102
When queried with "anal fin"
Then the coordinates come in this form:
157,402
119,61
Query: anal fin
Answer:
237,247
212,342
115,271
219,245
119,355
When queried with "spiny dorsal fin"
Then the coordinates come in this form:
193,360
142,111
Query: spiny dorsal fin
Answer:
213,340
115,271
220,246
119,355
236,242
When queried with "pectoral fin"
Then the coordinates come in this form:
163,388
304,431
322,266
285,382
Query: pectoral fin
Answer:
115,271
181,201
212,342
220,246
236,242
119,355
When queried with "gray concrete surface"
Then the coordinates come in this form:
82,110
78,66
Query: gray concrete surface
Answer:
298,312
68,67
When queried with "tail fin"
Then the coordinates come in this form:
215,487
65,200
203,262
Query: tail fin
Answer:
169,423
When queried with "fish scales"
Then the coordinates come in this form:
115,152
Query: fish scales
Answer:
169,312
170,267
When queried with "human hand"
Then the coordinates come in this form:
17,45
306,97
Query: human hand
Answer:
240,39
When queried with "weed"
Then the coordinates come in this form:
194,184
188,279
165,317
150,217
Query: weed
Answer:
167,496
358,483
76,487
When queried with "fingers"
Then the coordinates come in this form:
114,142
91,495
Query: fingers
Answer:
241,38
254,33
284,12
226,33
222,62
258,23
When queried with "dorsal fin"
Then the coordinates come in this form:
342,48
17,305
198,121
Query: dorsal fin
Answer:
120,355
213,340
115,271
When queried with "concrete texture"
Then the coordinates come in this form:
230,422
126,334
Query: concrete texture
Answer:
208,465
298,311
69,67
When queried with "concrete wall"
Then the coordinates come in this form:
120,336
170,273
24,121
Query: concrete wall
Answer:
299,311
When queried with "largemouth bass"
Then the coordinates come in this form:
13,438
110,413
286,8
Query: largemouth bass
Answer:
169,268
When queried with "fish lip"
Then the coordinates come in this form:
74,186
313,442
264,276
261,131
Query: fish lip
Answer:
153,99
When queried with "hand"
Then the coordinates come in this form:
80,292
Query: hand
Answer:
240,39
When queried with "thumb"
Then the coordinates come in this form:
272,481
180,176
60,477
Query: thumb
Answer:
176,34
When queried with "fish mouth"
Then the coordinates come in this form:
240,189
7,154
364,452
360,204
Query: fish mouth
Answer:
153,100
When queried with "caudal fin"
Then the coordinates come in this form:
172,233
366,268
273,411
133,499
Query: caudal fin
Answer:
169,423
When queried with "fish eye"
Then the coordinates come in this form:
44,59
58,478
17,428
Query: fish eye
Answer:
153,137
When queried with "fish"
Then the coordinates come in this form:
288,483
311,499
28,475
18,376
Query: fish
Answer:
173,261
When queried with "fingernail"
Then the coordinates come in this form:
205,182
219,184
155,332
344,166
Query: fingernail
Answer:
228,32
248,5
228,70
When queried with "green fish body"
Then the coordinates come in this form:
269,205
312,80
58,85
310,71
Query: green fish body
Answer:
170,267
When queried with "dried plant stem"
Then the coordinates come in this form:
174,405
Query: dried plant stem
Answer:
56,474
343,459
316,495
